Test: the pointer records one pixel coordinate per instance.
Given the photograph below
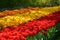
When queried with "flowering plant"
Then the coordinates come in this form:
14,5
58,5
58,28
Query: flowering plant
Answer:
29,25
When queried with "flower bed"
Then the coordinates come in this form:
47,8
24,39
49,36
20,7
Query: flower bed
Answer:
31,28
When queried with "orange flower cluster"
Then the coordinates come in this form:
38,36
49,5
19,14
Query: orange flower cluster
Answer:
25,10
12,12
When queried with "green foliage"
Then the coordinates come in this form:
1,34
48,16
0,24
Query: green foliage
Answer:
38,2
58,2
57,36
3,3
27,3
43,2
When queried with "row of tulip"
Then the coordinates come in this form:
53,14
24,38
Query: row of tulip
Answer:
30,10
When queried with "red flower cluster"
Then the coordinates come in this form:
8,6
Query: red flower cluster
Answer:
30,28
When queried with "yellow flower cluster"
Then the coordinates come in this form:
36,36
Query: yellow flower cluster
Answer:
17,19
